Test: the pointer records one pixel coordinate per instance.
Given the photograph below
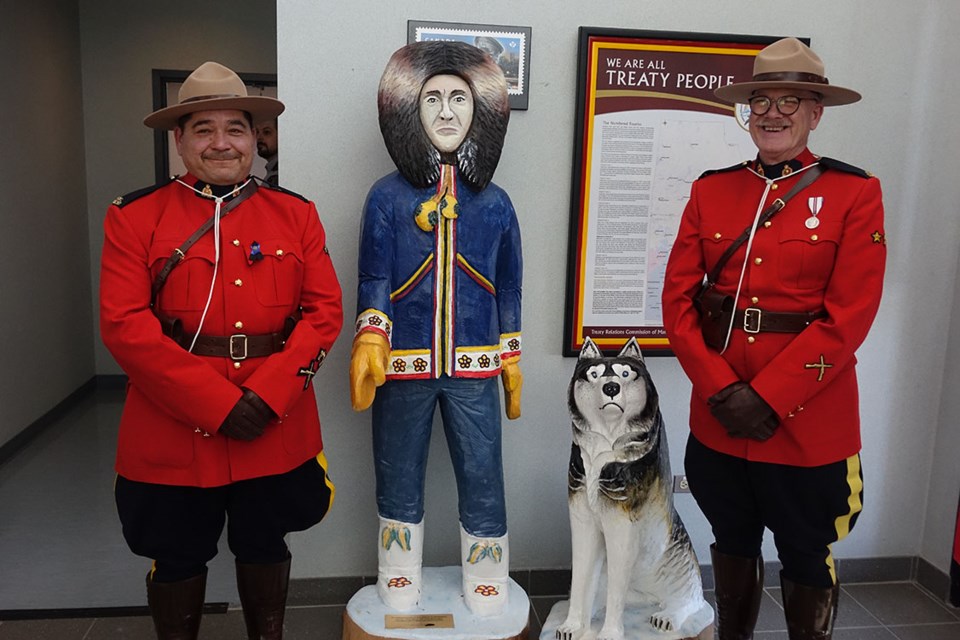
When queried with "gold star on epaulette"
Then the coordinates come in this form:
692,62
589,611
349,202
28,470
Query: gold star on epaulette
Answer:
878,238
869,173
118,200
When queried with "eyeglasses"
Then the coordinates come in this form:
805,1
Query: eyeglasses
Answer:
786,105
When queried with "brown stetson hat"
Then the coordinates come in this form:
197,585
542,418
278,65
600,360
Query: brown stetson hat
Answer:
788,64
213,86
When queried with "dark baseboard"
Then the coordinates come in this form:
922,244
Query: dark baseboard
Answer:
556,582
113,382
94,612
22,439
933,580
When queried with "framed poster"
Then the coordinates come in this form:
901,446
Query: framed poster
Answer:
166,85
508,46
647,126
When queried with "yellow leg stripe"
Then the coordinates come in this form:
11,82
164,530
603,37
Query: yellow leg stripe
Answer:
855,482
831,566
842,523
322,461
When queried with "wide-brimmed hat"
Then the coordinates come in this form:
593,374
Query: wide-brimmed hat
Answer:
213,86
788,64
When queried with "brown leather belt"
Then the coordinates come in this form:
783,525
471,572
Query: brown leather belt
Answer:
754,320
239,346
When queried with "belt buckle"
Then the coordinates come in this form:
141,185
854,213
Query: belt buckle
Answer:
751,320
233,344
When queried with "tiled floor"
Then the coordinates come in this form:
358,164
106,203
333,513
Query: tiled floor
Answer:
59,463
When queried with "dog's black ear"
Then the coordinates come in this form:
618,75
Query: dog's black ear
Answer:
589,350
632,350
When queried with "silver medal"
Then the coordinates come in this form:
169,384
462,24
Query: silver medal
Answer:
814,203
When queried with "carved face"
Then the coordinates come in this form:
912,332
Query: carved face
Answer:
446,111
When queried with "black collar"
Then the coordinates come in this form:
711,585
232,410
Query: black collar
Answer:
778,170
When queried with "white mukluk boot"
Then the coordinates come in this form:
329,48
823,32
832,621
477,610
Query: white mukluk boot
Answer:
399,561
486,565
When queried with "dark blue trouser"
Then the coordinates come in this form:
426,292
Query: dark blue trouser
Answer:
806,508
178,527
402,421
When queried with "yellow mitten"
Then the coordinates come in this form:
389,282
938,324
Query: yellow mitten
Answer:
368,367
512,380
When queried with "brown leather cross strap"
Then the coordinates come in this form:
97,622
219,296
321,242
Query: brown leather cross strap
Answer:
181,251
754,320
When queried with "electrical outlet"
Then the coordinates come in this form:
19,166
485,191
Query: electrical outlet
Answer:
680,484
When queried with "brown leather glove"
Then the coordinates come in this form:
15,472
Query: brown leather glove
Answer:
743,413
248,418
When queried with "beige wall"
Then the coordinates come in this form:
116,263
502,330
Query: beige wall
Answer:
46,320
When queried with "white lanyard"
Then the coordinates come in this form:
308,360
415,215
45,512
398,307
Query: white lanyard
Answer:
746,258
216,247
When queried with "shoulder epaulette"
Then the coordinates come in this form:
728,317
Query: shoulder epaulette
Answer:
274,187
739,165
830,163
122,201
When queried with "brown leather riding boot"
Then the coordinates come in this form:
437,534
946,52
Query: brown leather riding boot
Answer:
738,588
176,607
810,611
263,594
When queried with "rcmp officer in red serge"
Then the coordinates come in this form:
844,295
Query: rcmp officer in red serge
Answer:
219,300
774,418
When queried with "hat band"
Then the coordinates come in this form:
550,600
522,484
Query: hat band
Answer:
214,96
790,76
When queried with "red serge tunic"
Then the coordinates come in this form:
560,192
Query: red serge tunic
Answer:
176,401
808,378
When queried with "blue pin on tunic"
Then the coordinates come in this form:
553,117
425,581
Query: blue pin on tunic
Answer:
255,254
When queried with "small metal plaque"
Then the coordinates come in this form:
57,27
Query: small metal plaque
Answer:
421,621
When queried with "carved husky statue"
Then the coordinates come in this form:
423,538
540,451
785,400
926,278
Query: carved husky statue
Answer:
621,502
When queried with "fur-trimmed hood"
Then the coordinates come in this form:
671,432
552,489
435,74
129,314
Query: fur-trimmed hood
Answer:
398,102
